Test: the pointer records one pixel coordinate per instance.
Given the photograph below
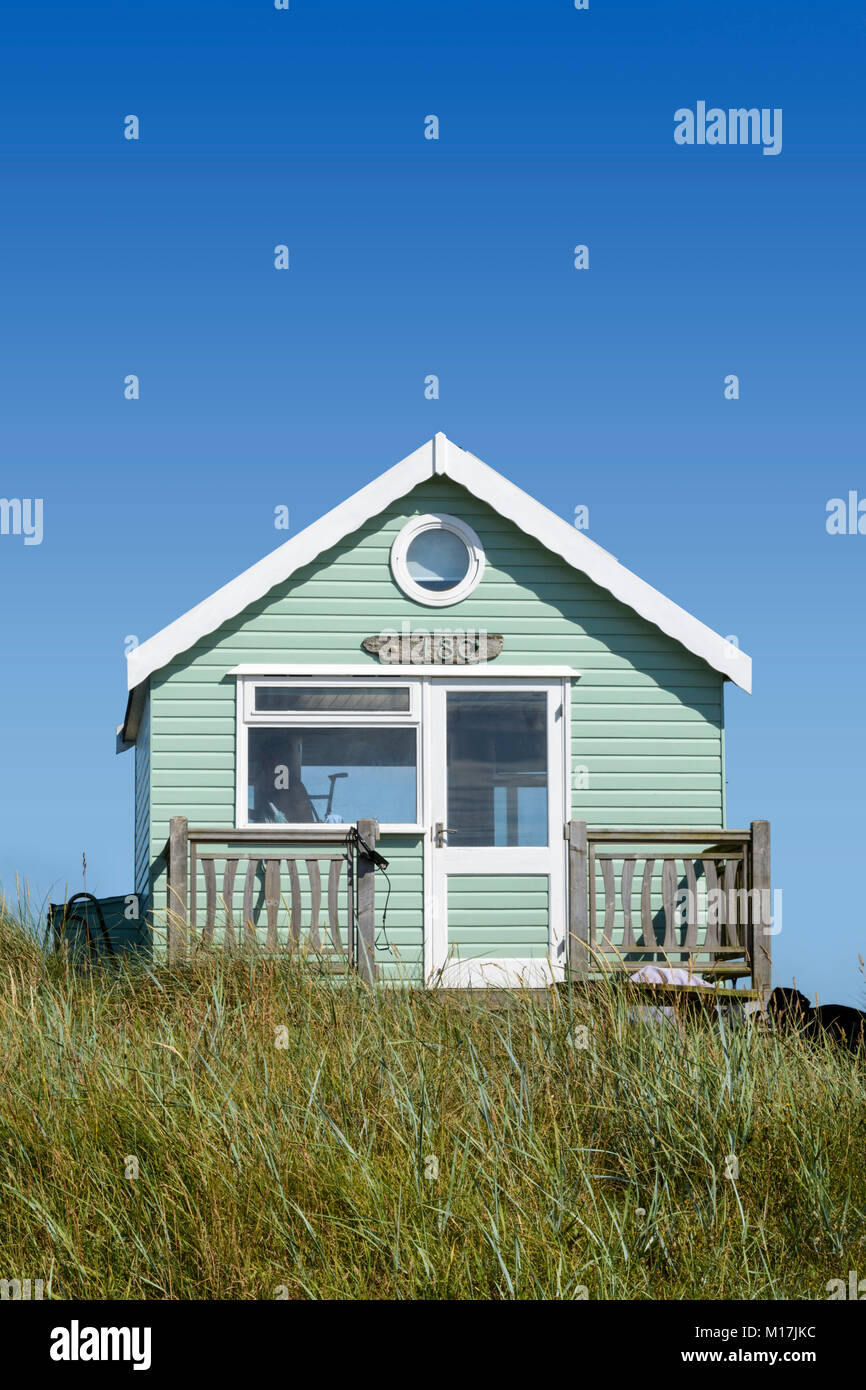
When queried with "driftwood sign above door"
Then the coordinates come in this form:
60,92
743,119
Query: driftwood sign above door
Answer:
463,648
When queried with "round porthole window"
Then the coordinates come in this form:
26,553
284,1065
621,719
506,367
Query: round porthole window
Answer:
437,560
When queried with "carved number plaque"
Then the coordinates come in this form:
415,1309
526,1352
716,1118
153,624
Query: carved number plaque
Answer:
434,648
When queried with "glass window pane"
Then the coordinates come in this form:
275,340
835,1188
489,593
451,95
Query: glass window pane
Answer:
307,775
330,699
497,768
437,559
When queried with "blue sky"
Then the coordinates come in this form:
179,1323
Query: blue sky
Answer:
410,257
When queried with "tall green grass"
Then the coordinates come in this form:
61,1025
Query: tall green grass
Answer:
306,1170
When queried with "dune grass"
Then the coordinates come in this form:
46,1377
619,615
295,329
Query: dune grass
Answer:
250,1129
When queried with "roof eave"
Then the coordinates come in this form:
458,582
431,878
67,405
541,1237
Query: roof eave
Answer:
127,732
435,458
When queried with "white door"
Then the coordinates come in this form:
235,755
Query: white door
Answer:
495,847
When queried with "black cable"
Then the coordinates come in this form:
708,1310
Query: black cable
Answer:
387,946
356,841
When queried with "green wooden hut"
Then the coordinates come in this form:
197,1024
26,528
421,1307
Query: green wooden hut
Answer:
528,733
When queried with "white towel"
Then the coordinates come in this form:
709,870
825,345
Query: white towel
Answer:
665,975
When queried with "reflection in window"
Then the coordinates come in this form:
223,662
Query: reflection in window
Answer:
331,699
497,768
301,776
437,559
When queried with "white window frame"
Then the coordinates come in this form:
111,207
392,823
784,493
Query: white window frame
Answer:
249,718
437,521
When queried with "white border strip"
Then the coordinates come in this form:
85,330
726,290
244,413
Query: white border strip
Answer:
492,669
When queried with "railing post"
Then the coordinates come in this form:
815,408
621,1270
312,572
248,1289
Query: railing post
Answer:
177,884
365,888
578,900
760,936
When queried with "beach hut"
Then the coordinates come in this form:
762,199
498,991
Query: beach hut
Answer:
443,738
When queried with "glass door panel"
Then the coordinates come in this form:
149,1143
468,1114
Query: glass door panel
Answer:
497,774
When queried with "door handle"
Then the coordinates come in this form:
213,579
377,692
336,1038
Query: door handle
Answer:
440,830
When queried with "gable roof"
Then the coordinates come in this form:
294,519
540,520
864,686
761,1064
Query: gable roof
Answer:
439,457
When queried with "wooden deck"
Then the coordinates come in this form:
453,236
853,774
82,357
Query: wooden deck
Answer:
266,858
688,899
693,899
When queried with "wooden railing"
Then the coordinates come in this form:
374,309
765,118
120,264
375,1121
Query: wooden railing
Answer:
704,901
349,876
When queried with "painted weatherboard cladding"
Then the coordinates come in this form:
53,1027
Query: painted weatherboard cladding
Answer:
501,917
142,806
646,714
647,748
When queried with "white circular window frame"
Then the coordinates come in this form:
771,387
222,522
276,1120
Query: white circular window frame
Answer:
432,598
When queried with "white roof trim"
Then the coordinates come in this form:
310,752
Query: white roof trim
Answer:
473,670
440,457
